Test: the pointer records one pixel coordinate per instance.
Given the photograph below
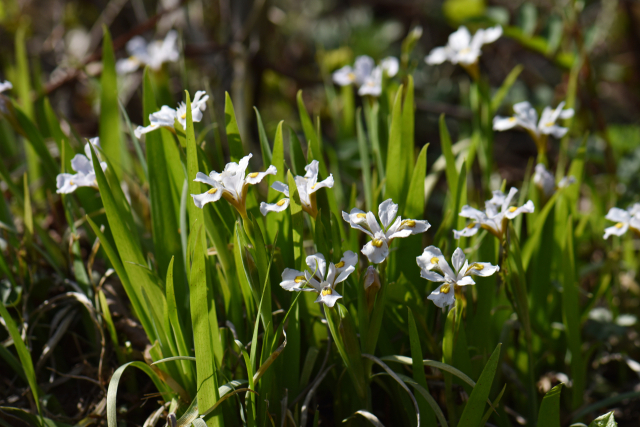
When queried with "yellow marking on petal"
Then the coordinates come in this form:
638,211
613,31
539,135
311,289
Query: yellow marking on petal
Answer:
326,292
465,50
71,183
300,279
377,243
512,209
313,186
361,215
408,223
549,124
253,174
212,190
434,260
444,289
340,264
281,202
477,266
618,225
184,115
351,76
512,119
471,225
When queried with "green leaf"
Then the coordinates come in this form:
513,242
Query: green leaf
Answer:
23,354
571,318
37,144
474,408
499,96
199,296
296,222
549,414
264,141
396,156
165,183
233,133
408,128
110,136
428,417
307,126
450,168
60,138
606,420
298,162
175,324
365,159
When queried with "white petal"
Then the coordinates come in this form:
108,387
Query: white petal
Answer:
387,212
65,183
466,56
457,259
441,299
289,277
327,183
465,281
200,177
618,215
492,34
526,208
348,261
6,85
363,68
80,163
330,299
468,231
375,254
128,65
567,114
407,227
372,84
507,200
331,274
544,180
390,65
436,56
504,123
280,206
566,181
317,265
431,276
202,199
256,177
460,39
615,230
431,258
357,219
344,76
482,269
372,223
281,188
469,212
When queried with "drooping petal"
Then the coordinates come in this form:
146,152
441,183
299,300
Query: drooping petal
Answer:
387,212
482,269
292,280
465,281
441,298
491,34
567,114
139,131
376,251
328,296
209,196
555,131
346,266
437,56
468,231
473,213
127,65
279,206
344,76
617,230
431,258
504,123
526,208
65,183
431,276
200,177
357,218
256,177
317,265
618,215
407,227
457,259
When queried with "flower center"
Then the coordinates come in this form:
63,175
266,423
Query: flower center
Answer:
300,279
212,190
377,243
618,225
340,264
444,289
281,202
409,223
253,174
512,209
434,260
361,215
326,291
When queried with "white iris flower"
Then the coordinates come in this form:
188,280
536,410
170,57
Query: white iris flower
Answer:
462,48
544,180
167,116
307,185
377,250
492,219
4,86
153,54
527,117
435,268
85,175
324,286
232,184
366,75
624,219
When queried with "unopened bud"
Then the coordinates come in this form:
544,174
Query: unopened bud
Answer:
371,286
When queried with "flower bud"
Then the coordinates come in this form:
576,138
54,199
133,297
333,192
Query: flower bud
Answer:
371,286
